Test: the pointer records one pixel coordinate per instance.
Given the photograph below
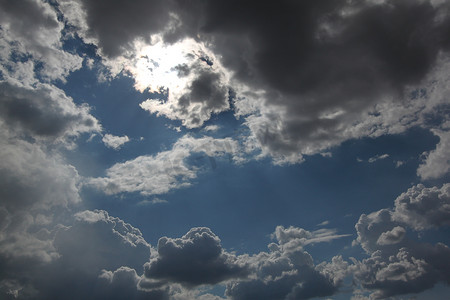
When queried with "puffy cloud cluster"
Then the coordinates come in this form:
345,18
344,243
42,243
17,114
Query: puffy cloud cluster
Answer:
423,208
399,264
287,271
196,258
165,171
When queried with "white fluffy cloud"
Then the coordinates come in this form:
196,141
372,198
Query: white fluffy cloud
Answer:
115,142
167,170
31,30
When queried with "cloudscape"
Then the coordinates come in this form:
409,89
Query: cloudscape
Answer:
212,150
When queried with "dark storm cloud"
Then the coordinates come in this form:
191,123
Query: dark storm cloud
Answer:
319,58
321,66
117,23
196,258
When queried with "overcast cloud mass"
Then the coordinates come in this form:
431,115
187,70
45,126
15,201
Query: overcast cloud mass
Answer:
170,149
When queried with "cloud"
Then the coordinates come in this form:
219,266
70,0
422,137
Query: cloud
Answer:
113,141
114,25
211,128
190,77
196,258
124,283
105,242
44,112
399,264
318,75
32,32
378,157
165,171
423,208
437,162
304,237
393,236
33,186
288,271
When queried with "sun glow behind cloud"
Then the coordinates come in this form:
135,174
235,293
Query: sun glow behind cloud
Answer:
189,77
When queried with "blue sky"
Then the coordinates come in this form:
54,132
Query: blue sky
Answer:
224,150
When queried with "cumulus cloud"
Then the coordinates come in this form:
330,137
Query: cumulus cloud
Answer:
423,208
165,171
393,236
196,258
115,142
398,264
288,271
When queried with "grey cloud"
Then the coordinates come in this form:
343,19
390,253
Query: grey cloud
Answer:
207,88
393,236
44,111
33,187
410,270
422,208
288,271
314,76
323,66
196,258
116,24
106,242
94,242
399,264
123,284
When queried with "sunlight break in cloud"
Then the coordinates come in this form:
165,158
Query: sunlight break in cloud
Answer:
188,75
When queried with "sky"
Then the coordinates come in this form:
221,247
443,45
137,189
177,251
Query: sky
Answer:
212,150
